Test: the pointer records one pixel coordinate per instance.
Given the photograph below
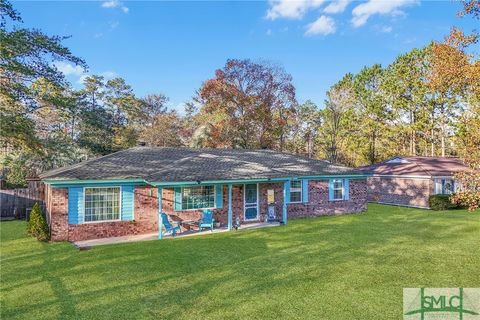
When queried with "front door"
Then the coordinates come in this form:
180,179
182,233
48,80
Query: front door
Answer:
251,202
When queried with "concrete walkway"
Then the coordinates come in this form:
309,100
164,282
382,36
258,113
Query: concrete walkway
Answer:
86,244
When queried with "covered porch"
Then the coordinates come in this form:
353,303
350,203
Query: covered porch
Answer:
245,201
86,244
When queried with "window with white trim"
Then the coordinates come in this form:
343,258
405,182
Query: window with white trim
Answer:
198,197
102,204
444,186
295,191
338,189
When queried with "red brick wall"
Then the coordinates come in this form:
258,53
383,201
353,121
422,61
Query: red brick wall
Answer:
400,191
278,193
318,203
145,220
57,210
146,209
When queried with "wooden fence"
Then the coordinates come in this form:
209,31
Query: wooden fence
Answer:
17,203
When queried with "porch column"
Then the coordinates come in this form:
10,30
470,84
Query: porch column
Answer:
160,221
230,212
284,208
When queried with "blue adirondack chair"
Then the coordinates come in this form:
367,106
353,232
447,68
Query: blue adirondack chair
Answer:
206,221
168,226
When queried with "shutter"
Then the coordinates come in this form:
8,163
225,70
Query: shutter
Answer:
75,205
127,202
305,190
177,199
219,196
287,186
346,189
330,190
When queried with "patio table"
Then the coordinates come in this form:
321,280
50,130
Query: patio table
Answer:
188,224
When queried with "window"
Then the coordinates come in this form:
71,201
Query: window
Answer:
337,189
448,187
444,186
102,204
296,191
200,197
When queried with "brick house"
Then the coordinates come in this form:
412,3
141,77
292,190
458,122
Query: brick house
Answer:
124,192
409,181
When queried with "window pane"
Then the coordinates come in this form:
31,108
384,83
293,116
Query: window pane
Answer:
448,186
251,213
200,197
338,194
337,184
296,184
251,193
102,204
295,196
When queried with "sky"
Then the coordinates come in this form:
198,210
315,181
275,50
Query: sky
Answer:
171,47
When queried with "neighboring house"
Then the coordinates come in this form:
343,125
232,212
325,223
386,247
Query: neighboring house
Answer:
409,181
117,195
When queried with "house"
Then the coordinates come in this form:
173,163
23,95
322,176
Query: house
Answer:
124,192
409,181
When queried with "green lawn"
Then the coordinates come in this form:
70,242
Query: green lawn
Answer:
345,267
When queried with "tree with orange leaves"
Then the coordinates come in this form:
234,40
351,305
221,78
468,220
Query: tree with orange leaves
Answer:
248,105
458,72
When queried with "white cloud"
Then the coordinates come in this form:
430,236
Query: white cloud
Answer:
291,9
114,24
386,29
108,74
110,4
337,6
68,69
82,78
323,25
364,11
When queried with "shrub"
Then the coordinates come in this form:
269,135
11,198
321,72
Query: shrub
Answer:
441,202
37,225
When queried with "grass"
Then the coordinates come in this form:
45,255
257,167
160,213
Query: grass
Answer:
344,267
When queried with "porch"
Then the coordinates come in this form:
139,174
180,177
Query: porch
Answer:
245,202
86,244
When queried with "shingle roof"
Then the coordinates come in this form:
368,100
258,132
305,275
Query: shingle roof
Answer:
418,166
187,164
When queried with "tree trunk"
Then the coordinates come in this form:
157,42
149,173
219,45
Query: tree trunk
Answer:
432,147
443,144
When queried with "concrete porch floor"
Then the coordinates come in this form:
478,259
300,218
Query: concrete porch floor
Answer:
85,244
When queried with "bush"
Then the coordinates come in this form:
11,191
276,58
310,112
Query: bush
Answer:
37,225
441,202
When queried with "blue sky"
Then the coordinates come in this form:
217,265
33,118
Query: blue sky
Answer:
172,47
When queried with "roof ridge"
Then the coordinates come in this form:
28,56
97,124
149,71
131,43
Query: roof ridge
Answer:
421,167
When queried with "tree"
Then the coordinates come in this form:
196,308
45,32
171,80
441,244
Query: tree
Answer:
335,116
164,131
248,104
128,113
305,130
373,111
37,225
408,93
25,57
455,68
155,104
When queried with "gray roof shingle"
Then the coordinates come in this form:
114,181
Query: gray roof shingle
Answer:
187,164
